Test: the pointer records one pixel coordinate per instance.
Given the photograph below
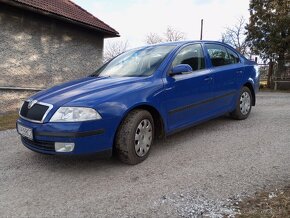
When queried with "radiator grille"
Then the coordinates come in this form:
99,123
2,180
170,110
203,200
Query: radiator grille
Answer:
35,113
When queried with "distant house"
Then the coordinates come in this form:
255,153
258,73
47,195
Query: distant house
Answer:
43,43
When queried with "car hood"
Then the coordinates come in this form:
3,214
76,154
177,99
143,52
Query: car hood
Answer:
84,91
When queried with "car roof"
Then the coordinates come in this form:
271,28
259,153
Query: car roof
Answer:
187,41
181,43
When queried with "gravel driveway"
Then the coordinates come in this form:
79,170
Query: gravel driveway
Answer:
198,171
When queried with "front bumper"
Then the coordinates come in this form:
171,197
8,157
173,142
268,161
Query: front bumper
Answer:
89,137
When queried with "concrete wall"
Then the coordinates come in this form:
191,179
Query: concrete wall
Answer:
10,101
39,52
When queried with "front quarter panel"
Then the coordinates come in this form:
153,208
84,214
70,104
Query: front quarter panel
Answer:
119,105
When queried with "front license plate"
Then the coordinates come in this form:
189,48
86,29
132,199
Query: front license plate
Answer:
25,131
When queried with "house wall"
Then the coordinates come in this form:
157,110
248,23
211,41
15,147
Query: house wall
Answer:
38,51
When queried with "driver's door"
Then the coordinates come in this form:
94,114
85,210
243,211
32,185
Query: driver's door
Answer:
187,94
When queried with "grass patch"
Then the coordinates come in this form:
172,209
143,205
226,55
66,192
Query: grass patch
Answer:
274,204
8,120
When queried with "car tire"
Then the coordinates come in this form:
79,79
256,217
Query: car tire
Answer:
243,105
135,137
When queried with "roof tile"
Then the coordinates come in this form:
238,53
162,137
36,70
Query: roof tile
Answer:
69,10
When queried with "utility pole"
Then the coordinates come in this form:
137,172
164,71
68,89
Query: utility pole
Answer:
201,29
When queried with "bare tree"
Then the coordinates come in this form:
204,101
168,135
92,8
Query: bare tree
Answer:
112,49
236,35
153,38
170,35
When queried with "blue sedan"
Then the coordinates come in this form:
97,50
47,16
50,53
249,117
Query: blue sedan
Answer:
140,95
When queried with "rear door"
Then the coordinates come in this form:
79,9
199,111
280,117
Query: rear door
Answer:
227,71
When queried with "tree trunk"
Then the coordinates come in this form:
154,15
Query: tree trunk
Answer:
270,74
281,68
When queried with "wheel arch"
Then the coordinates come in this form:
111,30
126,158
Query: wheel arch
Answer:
157,118
250,86
159,124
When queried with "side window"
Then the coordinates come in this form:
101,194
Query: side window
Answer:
191,55
233,57
218,55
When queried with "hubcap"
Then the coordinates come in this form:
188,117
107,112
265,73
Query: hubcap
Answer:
143,137
245,103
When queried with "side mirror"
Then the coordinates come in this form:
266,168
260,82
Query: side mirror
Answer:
180,68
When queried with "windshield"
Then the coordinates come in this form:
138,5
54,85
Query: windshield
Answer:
135,63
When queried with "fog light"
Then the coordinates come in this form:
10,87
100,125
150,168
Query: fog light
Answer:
64,146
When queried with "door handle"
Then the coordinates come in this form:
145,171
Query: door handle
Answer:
208,79
239,72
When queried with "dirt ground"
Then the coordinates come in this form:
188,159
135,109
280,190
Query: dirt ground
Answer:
201,171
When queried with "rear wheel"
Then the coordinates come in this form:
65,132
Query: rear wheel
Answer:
135,137
243,105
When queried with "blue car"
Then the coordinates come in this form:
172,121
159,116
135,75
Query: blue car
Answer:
140,95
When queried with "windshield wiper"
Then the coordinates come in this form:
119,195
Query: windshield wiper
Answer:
95,75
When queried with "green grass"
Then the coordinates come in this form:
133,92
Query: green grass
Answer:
264,204
8,120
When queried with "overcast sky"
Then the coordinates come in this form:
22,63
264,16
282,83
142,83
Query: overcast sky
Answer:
134,19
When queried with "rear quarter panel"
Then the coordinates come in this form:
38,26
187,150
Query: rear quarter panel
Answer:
251,74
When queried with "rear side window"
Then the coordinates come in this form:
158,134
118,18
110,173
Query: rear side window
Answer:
191,55
233,57
218,55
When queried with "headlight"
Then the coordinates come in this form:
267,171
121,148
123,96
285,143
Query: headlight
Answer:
75,114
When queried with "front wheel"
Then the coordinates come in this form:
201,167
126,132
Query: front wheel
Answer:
135,137
243,105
